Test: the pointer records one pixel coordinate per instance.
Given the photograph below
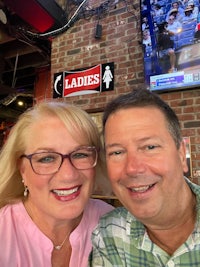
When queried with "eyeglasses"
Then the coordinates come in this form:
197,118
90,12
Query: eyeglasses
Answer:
44,163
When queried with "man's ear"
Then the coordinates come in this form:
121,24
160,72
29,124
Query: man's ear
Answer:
182,153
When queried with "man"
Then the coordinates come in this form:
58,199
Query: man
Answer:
174,26
189,16
147,46
195,8
166,46
176,10
159,224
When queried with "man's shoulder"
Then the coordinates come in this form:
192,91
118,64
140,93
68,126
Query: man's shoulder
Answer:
112,224
117,212
194,187
117,216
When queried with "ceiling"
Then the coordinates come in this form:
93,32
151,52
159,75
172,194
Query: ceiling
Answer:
21,55
26,30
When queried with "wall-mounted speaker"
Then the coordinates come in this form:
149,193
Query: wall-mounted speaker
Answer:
98,32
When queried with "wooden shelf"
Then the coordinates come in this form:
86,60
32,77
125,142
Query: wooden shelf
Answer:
104,197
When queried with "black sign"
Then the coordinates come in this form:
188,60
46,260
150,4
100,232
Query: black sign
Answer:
99,78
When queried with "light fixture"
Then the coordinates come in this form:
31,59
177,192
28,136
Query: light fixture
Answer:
20,103
3,17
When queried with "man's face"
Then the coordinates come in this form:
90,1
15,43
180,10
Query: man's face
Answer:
146,35
175,5
144,165
171,20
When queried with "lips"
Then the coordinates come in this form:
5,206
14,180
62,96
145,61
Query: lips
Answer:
141,189
65,192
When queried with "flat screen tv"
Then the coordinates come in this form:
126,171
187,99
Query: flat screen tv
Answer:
171,44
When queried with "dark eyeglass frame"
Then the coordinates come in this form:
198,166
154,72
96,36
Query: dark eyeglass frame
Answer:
63,156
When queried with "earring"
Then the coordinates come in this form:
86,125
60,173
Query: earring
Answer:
25,189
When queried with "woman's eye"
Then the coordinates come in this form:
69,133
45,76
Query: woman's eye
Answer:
46,159
79,155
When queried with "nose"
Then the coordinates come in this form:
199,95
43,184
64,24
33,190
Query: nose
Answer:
135,164
67,170
66,158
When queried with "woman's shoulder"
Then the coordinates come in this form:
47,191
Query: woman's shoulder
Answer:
10,217
99,206
14,214
94,209
11,209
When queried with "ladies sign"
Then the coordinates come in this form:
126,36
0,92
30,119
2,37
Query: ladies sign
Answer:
99,78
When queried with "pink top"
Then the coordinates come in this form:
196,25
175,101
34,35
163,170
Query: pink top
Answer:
23,244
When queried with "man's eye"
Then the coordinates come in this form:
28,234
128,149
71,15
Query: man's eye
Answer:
151,147
114,153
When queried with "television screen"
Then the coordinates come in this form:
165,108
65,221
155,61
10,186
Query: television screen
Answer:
171,44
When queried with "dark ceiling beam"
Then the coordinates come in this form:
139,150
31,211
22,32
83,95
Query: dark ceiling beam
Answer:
11,49
18,49
5,37
33,60
8,114
4,89
20,57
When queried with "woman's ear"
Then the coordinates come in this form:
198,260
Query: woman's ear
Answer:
20,166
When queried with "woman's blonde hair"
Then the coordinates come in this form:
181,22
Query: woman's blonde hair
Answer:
79,124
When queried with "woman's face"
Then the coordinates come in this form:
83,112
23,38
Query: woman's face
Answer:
64,194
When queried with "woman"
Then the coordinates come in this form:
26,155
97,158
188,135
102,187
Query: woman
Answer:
47,174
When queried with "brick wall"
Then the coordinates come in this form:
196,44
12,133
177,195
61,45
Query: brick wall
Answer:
77,48
187,107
